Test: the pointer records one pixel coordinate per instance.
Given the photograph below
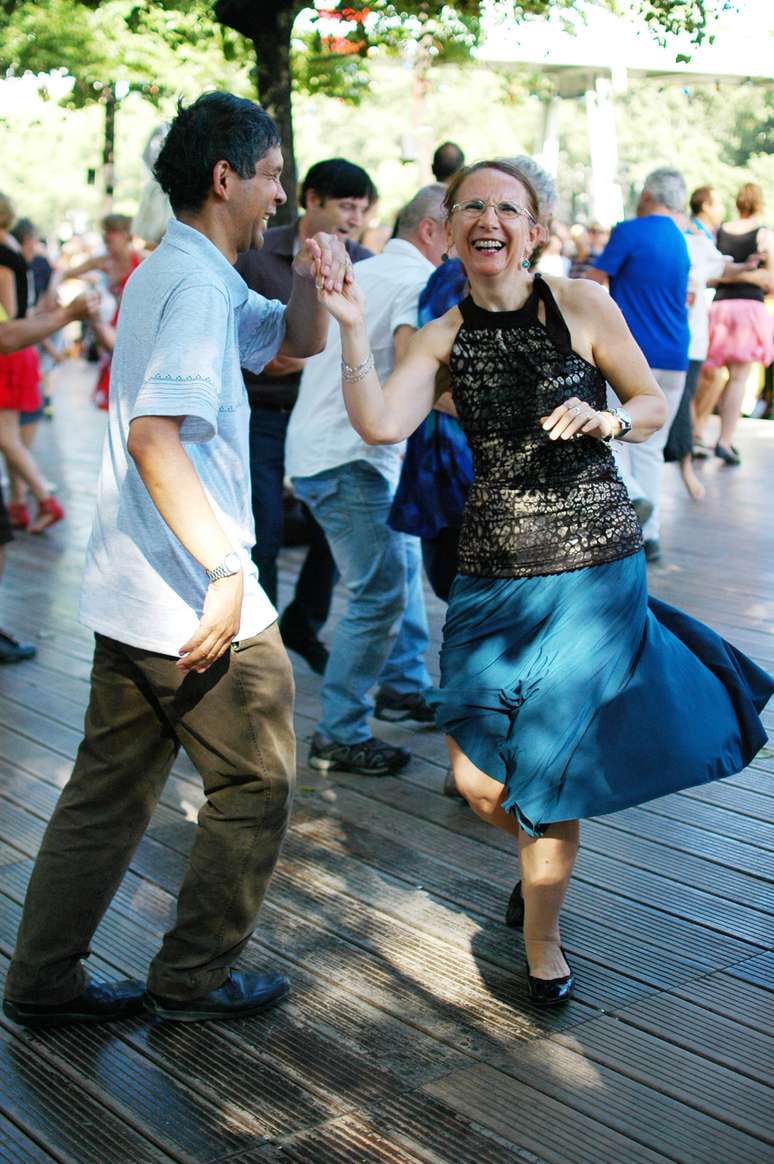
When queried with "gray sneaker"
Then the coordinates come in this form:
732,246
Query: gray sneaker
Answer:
369,758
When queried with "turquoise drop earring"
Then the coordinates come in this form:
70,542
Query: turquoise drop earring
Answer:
525,263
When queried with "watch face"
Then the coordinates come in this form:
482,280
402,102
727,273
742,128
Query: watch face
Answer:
232,563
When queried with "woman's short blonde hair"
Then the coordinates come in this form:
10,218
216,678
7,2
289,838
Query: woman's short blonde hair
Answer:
7,212
749,200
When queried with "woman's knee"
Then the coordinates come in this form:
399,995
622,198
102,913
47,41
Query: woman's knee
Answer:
482,793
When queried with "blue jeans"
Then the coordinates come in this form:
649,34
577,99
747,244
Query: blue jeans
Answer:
267,469
382,636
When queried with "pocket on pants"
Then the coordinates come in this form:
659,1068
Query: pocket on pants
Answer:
324,498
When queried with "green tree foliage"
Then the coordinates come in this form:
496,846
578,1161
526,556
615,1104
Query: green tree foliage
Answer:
102,41
146,45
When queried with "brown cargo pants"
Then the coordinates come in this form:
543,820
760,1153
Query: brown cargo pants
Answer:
235,722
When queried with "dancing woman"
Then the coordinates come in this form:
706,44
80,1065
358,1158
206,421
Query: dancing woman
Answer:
564,691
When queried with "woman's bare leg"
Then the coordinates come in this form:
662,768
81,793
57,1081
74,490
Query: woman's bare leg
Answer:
18,489
706,396
731,402
692,483
483,794
18,456
546,864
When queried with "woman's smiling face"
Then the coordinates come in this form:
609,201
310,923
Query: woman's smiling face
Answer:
489,243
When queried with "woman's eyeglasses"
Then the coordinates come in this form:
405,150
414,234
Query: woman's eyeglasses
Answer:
505,211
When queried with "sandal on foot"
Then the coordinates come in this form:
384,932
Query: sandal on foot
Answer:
49,512
18,514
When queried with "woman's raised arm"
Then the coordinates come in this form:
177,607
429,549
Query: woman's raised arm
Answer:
384,415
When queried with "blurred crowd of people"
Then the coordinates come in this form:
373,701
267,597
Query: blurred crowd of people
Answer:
690,282
297,367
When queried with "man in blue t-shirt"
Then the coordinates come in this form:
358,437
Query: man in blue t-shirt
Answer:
646,264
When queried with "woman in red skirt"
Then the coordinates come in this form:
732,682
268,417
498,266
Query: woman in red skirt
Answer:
20,380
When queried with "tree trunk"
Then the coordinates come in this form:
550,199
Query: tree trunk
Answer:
269,25
108,148
275,84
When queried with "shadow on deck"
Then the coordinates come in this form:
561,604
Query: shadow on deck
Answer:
409,1036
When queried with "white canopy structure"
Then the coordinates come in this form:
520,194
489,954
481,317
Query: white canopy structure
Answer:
592,54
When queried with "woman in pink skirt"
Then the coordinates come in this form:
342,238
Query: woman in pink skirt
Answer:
741,329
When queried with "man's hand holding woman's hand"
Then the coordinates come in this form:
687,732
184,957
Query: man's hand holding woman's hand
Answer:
324,259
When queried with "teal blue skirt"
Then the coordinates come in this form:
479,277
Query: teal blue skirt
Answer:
583,696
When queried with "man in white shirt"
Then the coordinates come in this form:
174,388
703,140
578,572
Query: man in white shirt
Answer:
349,487
187,651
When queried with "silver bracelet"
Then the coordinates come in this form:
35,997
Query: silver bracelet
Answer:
351,375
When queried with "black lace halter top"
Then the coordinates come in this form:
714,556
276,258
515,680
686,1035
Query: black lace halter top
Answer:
536,506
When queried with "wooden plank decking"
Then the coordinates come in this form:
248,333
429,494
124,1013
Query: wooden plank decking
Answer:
408,1036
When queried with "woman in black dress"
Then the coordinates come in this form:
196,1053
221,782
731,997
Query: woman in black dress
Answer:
565,692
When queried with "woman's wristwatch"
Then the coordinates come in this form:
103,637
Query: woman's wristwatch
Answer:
231,564
625,422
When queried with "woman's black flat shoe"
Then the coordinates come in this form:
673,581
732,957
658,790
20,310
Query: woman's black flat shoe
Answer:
550,991
514,913
730,456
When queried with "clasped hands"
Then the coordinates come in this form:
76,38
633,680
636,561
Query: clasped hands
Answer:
323,259
576,418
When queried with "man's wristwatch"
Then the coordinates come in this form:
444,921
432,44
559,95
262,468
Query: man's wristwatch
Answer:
625,422
231,564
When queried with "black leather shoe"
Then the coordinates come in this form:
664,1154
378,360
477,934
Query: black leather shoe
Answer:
243,993
550,991
99,1002
12,651
514,912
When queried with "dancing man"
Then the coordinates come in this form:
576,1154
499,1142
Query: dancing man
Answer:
187,649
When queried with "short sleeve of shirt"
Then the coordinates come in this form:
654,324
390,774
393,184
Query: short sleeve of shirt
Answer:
615,253
261,331
184,374
716,262
405,307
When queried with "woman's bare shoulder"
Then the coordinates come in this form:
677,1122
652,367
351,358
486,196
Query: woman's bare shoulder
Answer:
576,292
437,336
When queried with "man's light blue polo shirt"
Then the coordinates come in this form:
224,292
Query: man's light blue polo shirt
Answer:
187,324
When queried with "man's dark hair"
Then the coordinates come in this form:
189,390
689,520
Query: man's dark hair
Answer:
447,160
338,178
24,228
216,127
